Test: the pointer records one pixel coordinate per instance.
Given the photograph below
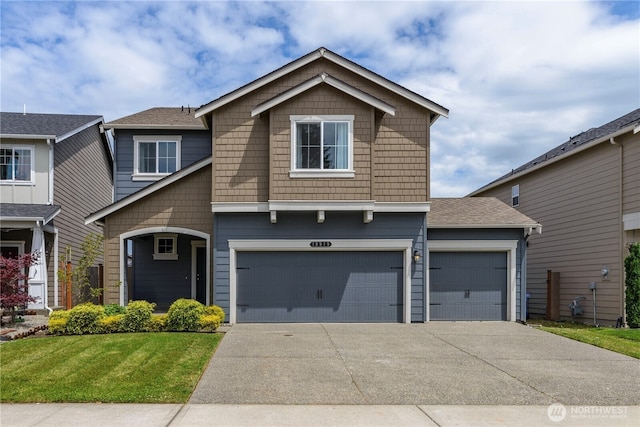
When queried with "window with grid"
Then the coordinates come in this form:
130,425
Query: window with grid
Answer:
156,156
16,164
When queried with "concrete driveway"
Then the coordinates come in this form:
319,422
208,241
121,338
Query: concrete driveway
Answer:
438,363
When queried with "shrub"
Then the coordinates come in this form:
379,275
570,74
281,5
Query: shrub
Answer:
158,323
209,323
57,324
216,311
111,324
137,316
113,309
83,319
184,315
632,282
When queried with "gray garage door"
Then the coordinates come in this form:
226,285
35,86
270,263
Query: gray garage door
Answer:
319,286
468,286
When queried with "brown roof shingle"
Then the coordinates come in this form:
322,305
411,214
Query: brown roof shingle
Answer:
159,118
480,212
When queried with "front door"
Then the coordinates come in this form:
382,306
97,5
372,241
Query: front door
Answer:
201,274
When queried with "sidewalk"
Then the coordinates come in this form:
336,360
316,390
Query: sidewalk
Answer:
177,415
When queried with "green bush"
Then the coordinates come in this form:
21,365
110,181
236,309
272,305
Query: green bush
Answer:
184,315
113,309
215,311
111,324
632,282
137,316
83,319
57,324
158,323
209,323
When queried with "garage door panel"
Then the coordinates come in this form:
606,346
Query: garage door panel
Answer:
468,285
319,287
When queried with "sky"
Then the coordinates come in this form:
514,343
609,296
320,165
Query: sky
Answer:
519,78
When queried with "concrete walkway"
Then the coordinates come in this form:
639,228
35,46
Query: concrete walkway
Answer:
438,363
148,415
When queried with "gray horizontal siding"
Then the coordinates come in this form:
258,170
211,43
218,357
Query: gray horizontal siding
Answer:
195,145
338,225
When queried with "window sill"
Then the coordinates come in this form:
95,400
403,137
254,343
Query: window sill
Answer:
148,176
165,257
25,183
321,174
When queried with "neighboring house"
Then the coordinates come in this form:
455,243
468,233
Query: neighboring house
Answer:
54,170
586,192
312,205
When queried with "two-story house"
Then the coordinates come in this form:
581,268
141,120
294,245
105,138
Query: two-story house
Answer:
54,170
586,192
312,205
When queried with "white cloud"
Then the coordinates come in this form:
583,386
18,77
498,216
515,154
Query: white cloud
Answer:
518,77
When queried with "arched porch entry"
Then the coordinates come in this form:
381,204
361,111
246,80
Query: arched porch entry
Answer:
163,264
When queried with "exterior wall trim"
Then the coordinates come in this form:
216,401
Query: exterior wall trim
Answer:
509,246
154,230
326,205
404,245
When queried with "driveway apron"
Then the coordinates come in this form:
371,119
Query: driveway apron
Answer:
438,363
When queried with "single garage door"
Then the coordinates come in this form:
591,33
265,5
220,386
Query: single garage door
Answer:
468,285
319,286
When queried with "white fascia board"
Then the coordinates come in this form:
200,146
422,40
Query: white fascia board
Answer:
545,163
21,220
402,207
469,226
322,205
239,207
97,216
25,136
158,126
258,83
324,78
80,129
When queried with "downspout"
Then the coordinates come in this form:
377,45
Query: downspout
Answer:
51,170
425,268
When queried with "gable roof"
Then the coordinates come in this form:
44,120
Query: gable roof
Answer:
159,118
144,192
331,81
322,52
28,212
476,212
44,126
630,122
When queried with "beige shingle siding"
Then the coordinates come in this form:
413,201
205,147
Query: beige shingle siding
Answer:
178,205
242,145
577,202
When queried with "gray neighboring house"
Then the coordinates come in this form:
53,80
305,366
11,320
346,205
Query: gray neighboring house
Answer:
308,201
54,170
586,192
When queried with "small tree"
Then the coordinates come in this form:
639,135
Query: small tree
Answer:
79,275
632,281
14,286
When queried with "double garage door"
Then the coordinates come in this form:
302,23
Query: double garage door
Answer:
468,286
319,286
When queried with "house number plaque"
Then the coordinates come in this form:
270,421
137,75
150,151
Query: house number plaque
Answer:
320,244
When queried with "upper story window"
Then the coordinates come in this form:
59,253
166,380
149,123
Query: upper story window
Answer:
16,164
155,156
515,195
322,146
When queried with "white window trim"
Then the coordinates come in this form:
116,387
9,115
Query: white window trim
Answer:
321,173
137,139
32,174
165,256
515,192
404,245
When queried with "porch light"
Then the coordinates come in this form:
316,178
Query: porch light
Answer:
416,256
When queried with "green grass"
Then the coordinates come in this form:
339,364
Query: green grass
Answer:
143,368
624,341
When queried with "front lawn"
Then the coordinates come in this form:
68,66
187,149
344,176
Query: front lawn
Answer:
134,367
624,341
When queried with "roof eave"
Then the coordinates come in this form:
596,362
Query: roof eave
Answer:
25,136
562,156
152,127
79,129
